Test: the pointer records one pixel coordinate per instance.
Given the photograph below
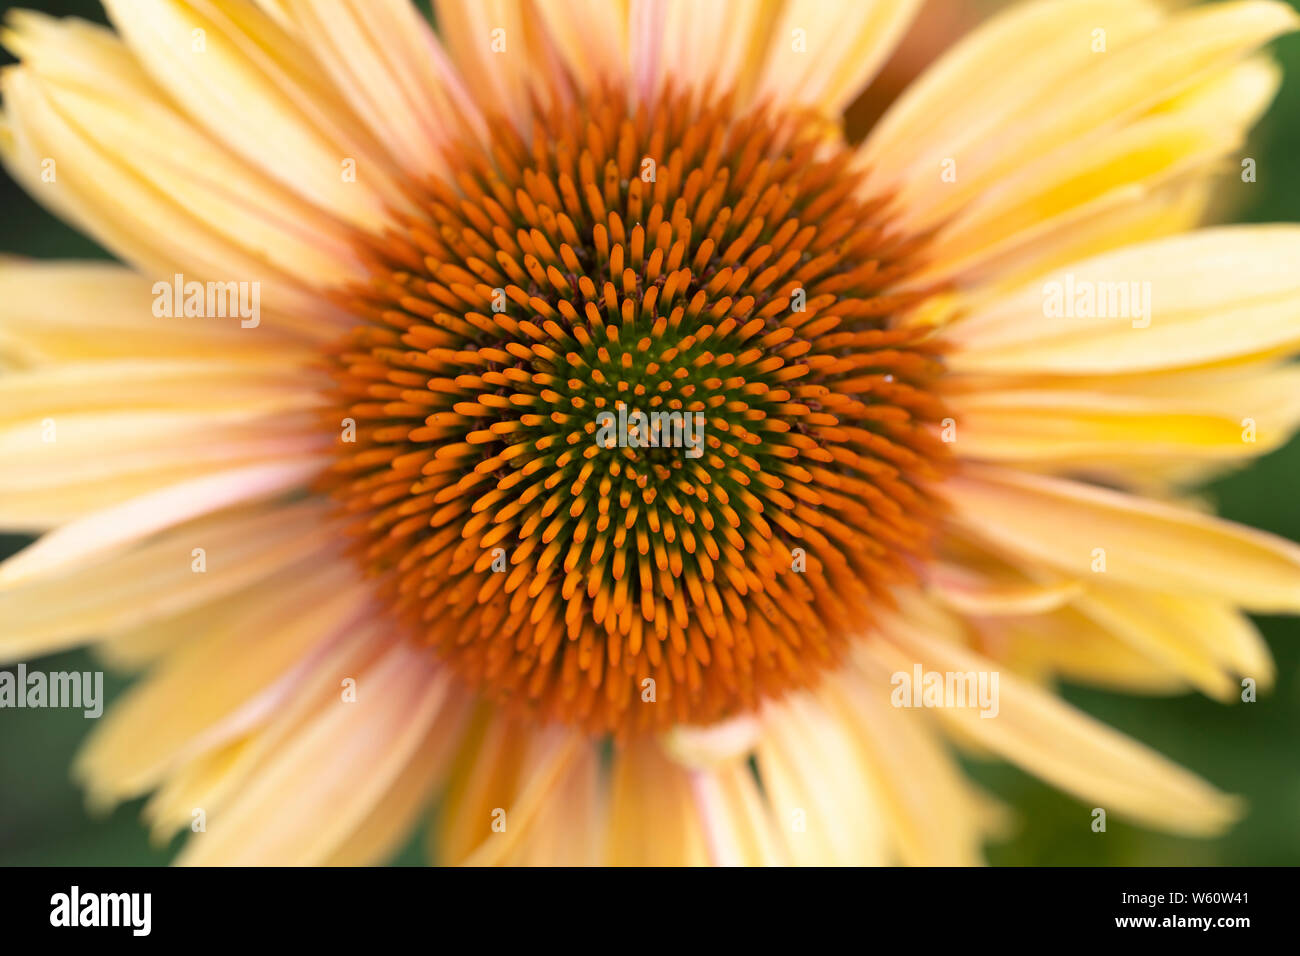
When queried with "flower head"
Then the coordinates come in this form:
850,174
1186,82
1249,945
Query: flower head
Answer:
737,295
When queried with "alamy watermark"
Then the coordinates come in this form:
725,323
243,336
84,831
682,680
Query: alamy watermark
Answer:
217,300
922,688
133,911
80,690
1084,299
636,429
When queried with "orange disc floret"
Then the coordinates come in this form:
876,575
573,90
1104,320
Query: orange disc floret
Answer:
637,440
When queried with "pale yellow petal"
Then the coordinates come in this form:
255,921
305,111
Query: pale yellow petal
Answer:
1071,428
320,684
1206,643
1066,643
549,761
1122,217
304,804
76,448
251,387
35,510
935,817
821,55
255,91
814,778
65,311
1084,529
569,826
195,701
1212,296
182,800
386,61
398,812
591,36
737,823
1093,97
494,42
81,541
1046,737
653,818
104,147
985,592
1055,195
158,580
982,84
502,786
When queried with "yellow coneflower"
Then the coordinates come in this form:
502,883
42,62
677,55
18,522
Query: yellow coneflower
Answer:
920,408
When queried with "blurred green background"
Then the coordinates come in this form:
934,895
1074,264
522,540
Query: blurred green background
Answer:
1249,749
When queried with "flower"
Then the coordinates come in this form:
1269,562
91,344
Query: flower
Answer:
888,425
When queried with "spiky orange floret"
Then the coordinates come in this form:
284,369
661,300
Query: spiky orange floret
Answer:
676,286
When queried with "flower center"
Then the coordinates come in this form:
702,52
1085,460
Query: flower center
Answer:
637,442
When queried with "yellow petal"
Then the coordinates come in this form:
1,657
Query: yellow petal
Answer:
239,76
814,778
157,580
1080,529
934,817
653,819
195,701
505,781
56,311
1215,295
982,85
496,43
1066,643
1122,217
1075,428
75,544
318,687
303,805
549,761
251,387
157,231
979,592
1046,737
1208,644
591,35
1137,72
738,829
392,69
57,438
396,814
1052,196
822,55
569,825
